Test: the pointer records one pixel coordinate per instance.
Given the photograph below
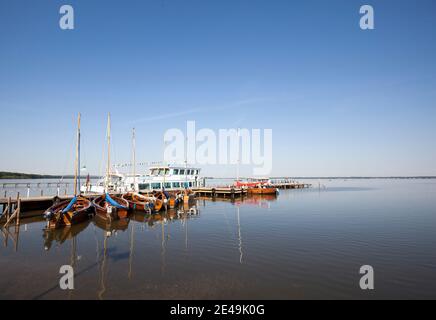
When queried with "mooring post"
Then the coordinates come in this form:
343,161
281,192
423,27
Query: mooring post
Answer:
18,212
28,191
9,208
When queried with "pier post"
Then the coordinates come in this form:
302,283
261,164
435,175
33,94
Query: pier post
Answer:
9,208
17,223
28,191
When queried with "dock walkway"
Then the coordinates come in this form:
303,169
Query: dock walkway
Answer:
31,205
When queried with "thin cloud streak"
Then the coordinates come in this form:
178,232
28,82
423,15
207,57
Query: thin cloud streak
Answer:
197,110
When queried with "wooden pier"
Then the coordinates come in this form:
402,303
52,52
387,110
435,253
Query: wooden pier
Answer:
225,192
291,185
32,206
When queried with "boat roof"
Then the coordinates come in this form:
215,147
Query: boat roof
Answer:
173,167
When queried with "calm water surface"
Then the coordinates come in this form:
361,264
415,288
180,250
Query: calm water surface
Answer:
302,244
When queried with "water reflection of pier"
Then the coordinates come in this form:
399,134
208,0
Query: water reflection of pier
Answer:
59,237
161,224
150,221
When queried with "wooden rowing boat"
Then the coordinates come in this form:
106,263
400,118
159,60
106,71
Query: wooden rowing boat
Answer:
73,211
158,198
174,198
68,213
110,207
138,201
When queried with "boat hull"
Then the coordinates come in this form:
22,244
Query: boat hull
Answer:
106,211
78,213
138,202
262,191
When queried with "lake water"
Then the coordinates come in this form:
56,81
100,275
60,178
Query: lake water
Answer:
303,244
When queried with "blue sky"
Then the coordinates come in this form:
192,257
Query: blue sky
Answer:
340,101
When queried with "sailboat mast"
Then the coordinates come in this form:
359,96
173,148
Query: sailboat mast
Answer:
77,162
108,168
239,159
134,159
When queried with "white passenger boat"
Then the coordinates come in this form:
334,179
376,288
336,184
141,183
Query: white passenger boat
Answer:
167,177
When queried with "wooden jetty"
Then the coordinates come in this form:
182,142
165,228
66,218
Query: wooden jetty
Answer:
225,192
287,185
32,206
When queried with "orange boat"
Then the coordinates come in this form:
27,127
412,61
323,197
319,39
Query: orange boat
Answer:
138,201
240,184
263,190
157,198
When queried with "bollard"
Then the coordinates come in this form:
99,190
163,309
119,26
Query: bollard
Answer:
28,192
9,208
18,212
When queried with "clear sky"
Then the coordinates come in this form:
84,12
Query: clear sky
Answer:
340,101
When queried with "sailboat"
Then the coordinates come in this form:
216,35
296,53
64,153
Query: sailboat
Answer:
110,207
137,201
73,211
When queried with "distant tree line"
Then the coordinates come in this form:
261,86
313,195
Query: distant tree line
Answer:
17,175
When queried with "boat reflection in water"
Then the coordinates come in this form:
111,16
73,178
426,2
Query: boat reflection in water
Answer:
109,243
151,220
61,235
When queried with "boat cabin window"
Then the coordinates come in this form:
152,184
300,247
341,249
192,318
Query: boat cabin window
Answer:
167,185
156,186
153,172
176,184
161,172
144,186
176,171
167,171
182,171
